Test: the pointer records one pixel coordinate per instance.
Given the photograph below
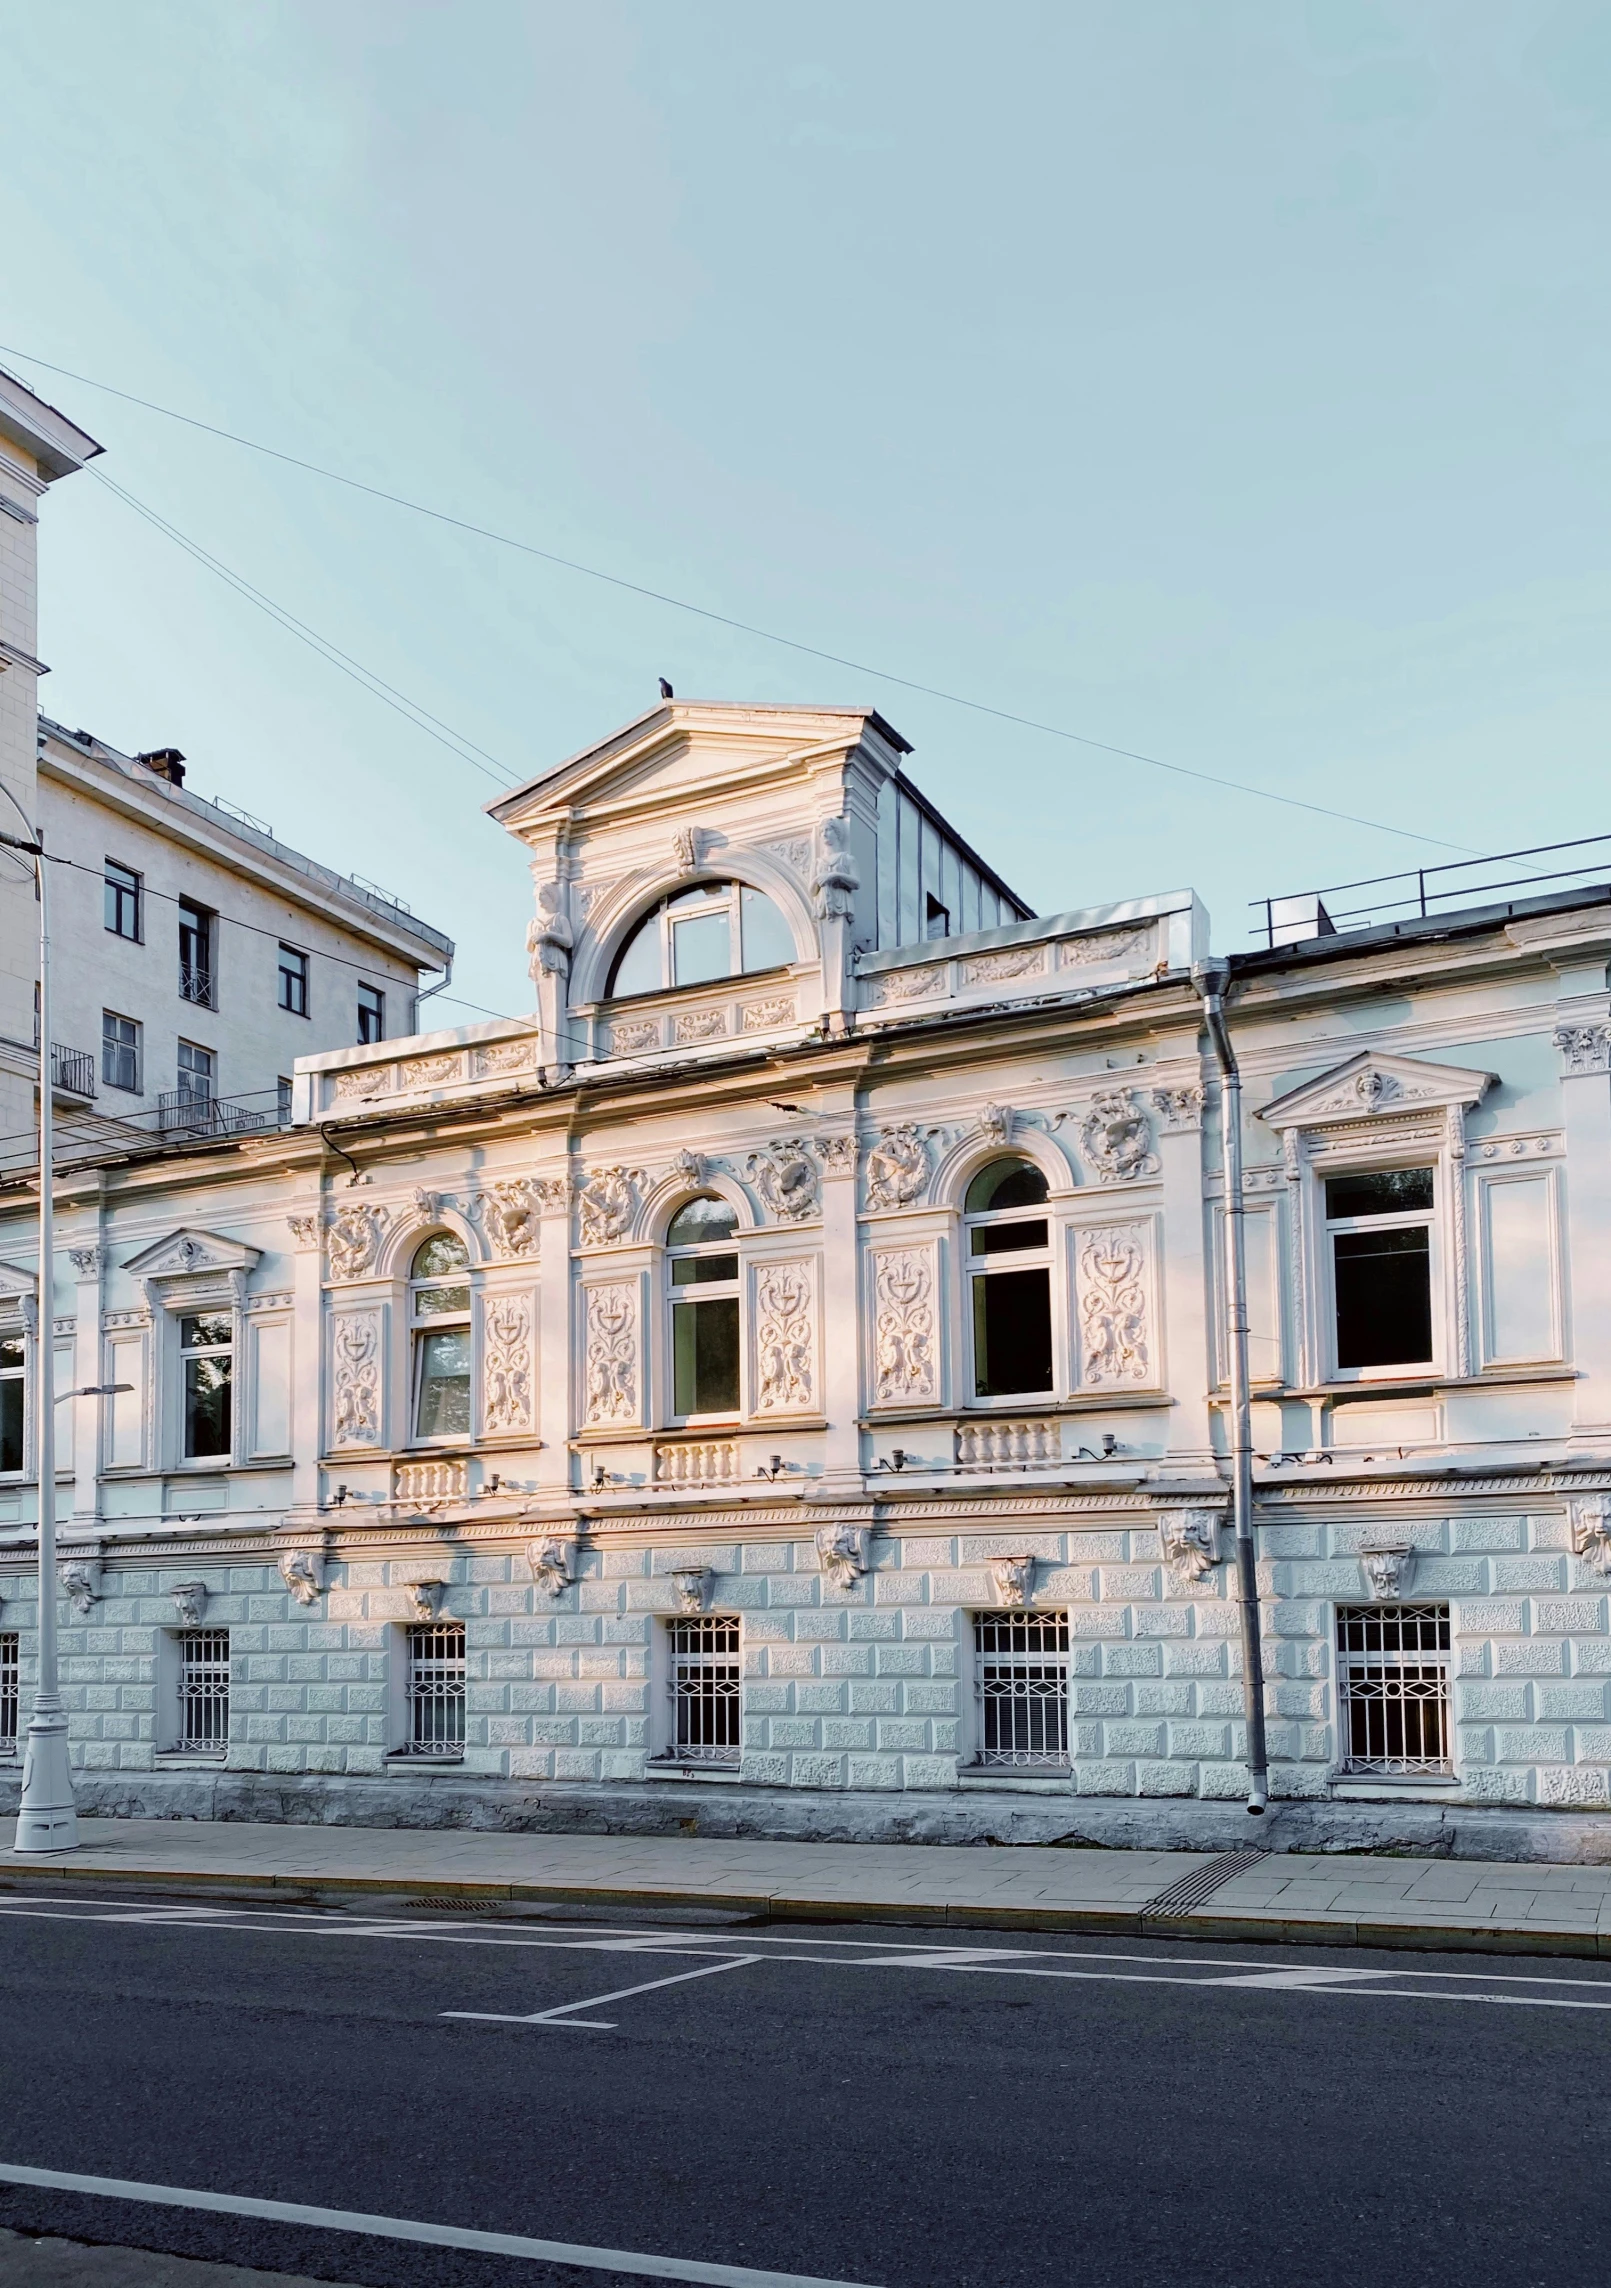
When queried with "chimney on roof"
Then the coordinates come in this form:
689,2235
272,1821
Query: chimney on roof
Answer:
167,762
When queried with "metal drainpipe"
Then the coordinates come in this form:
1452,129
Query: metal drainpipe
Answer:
1209,978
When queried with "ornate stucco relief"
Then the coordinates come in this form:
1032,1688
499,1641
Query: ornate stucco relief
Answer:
355,1351
1111,1282
506,1376
905,1346
610,1365
784,1339
608,1199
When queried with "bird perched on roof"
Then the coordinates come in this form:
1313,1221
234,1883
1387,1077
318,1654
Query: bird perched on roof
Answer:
666,691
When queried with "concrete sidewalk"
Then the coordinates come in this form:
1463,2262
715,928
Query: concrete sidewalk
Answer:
1286,1897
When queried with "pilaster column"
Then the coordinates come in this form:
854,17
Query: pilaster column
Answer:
841,1333
306,1223
557,1294
1186,1279
1583,1038
88,1260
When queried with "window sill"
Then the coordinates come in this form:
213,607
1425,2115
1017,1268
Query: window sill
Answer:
1382,1787
169,1759
399,1762
989,1409
1048,1782
1426,1385
658,1768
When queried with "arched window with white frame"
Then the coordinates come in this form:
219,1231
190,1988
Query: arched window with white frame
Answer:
702,1289
697,935
439,1339
1007,1243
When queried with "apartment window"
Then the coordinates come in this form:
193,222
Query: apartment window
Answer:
293,981
371,1014
13,1401
439,1316
1393,1685
125,901
702,1263
1010,1280
720,929
120,1051
705,1683
434,1690
936,918
198,927
1379,1231
282,1100
203,1692
1022,1682
198,1070
10,1692
207,1360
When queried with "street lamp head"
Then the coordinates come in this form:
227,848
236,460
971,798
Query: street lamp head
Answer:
94,1390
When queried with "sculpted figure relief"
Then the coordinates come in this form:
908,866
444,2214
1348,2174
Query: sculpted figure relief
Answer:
549,936
835,876
897,1167
354,1237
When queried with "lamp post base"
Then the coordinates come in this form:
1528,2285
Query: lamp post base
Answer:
46,1819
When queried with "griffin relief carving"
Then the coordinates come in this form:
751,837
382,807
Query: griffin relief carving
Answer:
903,1336
1116,1138
609,1201
509,1214
783,1342
897,1167
1113,1307
611,1365
788,1179
354,1238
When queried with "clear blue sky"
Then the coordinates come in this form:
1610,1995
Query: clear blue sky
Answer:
1225,382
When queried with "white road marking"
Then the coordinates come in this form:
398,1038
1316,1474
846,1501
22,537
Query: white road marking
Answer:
841,1953
406,2228
562,2015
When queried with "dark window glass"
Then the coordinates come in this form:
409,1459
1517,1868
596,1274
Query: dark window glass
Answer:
1006,1184
767,938
123,916
1012,1333
1384,1297
196,953
371,1015
206,1344
1388,1191
13,1399
936,918
444,1398
1005,1238
705,1355
120,1051
197,1070
717,929
293,981
282,1100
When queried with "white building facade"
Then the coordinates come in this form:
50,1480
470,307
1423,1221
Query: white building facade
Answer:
783,1384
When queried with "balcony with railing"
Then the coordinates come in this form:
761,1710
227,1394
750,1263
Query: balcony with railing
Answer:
72,1071
196,984
179,1113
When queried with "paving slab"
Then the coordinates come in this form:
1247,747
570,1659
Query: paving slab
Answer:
1328,1899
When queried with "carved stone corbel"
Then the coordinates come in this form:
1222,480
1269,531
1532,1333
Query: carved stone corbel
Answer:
189,1602
842,1552
550,1563
691,1587
80,1580
1388,1567
302,1571
1589,1516
425,1598
1190,1541
1014,1578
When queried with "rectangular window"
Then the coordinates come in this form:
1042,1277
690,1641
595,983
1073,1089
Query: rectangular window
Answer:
293,981
197,931
10,1692
1379,1228
434,1689
120,1051
1023,1690
203,1692
936,918
705,1684
198,1069
1393,1688
124,901
371,1015
282,1100
207,1354
13,1401
704,1335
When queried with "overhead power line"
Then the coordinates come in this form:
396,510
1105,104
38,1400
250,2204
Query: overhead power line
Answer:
725,620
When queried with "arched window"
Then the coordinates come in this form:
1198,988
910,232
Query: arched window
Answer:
702,1289
439,1324
719,929
1010,1280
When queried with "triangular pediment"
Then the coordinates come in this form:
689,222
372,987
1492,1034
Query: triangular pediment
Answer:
187,1251
1373,1085
17,1279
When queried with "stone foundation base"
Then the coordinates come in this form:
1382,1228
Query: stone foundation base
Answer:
982,1817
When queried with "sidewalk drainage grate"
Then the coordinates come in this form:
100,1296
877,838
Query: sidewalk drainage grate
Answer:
449,1906
1184,1897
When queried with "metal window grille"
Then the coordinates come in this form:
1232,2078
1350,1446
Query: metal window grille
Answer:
204,1691
435,1690
10,1693
1023,1690
1393,1683
705,1691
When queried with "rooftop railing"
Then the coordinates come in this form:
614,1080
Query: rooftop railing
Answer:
1425,892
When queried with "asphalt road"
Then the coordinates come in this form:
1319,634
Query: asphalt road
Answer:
856,2105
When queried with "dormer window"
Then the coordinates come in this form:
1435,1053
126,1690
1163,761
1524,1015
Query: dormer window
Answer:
718,929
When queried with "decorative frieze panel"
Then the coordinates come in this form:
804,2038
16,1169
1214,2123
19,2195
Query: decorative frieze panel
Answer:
1102,946
355,1362
996,968
509,1213
506,1368
761,1016
892,987
608,1199
1116,1138
898,1166
353,1239
788,1179
1111,1281
698,1025
906,1364
636,1037
611,1372
785,1339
